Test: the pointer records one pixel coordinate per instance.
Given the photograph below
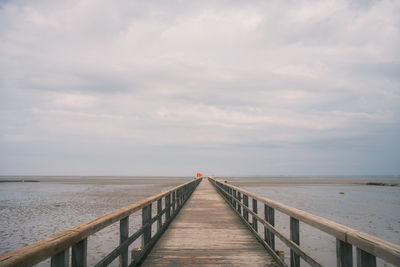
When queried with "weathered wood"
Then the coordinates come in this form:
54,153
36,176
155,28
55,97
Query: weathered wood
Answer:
295,237
146,218
123,235
79,254
159,209
255,210
173,202
378,247
48,247
364,259
344,254
61,259
168,207
245,211
269,216
307,258
207,233
239,197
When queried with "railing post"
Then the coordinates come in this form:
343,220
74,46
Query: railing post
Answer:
168,207
159,209
61,259
146,218
79,254
364,259
239,196
255,210
173,202
344,254
123,235
233,198
246,203
269,216
295,237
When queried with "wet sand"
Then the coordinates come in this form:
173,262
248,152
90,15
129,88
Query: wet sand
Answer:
31,211
355,202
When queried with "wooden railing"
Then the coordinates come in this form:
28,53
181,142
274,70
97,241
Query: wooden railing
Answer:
75,239
368,247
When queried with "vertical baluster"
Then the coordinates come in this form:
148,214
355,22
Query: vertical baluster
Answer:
61,259
168,207
159,209
146,218
79,254
269,216
246,203
344,254
123,235
255,210
239,196
234,199
295,237
364,259
173,201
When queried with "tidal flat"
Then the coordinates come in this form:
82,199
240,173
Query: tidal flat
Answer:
367,204
31,211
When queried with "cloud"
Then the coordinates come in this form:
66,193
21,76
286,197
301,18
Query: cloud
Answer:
269,78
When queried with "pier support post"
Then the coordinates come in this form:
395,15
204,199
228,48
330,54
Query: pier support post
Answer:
255,210
344,254
146,219
61,259
159,209
79,254
269,216
295,237
123,235
173,202
246,203
364,259
168,207
239,197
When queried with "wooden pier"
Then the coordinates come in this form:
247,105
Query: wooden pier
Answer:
205,222
207,232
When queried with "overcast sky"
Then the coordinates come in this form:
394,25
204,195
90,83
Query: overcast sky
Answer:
272,87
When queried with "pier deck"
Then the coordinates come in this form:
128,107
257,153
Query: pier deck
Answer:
207,232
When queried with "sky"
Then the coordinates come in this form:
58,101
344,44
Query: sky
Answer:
227,88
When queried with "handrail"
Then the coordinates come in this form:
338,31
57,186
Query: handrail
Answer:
368,246
55,245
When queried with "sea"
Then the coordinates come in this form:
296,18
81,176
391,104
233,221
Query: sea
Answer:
35,207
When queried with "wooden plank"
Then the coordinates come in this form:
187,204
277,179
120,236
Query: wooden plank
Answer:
207,232
344,254
79,254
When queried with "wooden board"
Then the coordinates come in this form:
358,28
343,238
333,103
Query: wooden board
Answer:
207,232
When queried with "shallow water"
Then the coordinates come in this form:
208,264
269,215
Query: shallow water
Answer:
371,209
32,211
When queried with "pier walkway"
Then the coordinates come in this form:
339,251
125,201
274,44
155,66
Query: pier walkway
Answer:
207,232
